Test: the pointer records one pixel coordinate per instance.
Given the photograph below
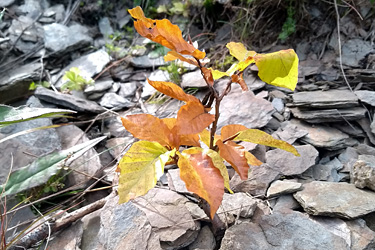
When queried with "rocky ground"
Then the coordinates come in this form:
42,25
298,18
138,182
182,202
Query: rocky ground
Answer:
323,199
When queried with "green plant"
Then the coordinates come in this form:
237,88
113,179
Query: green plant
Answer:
164,141
74,81
176,8
43,84
289,26
175,71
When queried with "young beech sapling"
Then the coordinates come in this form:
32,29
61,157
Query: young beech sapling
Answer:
201,168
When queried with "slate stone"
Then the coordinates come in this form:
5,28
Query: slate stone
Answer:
289,132
175,183
89,163
286,204
281,232
68,101
329,115
166,210
283,187
347,155
68,239
253,82
98,87
335,226
289,164
128,89
115,102
251,111
15,83
258,181
91,227
355,50
363,172
193,80
59,39
324,137
237,204
89,65
205,240
332,199
278,104
362,237
6,3
325,99
123,226
145,62
366,96
105,27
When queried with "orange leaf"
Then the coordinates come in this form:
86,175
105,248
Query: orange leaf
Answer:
172,90
173,55
202,177
164,33
235,157
186,140
147,127
207,74
239,79
192,118
231,130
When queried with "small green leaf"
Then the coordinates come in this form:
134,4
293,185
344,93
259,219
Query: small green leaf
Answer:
140,168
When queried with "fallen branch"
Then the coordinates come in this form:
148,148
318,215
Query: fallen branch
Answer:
42,231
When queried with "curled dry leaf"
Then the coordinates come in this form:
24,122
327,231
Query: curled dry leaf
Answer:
201,177
172,90
164,33
193,119
236,158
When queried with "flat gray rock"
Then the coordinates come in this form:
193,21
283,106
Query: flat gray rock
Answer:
250,111
366,96
362,237
289,132
283,187
165,211
6,3
289,164
355,50
205,240
89,65
258,181
281,232
175,183
237,204
325,99
68,101
98,87
123,226
128,89
147,62
324,137
61,39
329,115
332,199
193,80
115,102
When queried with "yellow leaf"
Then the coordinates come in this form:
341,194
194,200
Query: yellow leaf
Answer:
259,137
279,68
252,160
140,168
202,177
217,74
239,51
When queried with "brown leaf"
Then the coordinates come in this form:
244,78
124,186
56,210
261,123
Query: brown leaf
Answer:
231,130
235,157
239,79
173,55
164,33
202,177
147,127
186,140
207,74
172,90
192,118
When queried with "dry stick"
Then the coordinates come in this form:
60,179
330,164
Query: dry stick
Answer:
42,232
339,41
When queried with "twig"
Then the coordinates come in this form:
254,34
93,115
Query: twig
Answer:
339,41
